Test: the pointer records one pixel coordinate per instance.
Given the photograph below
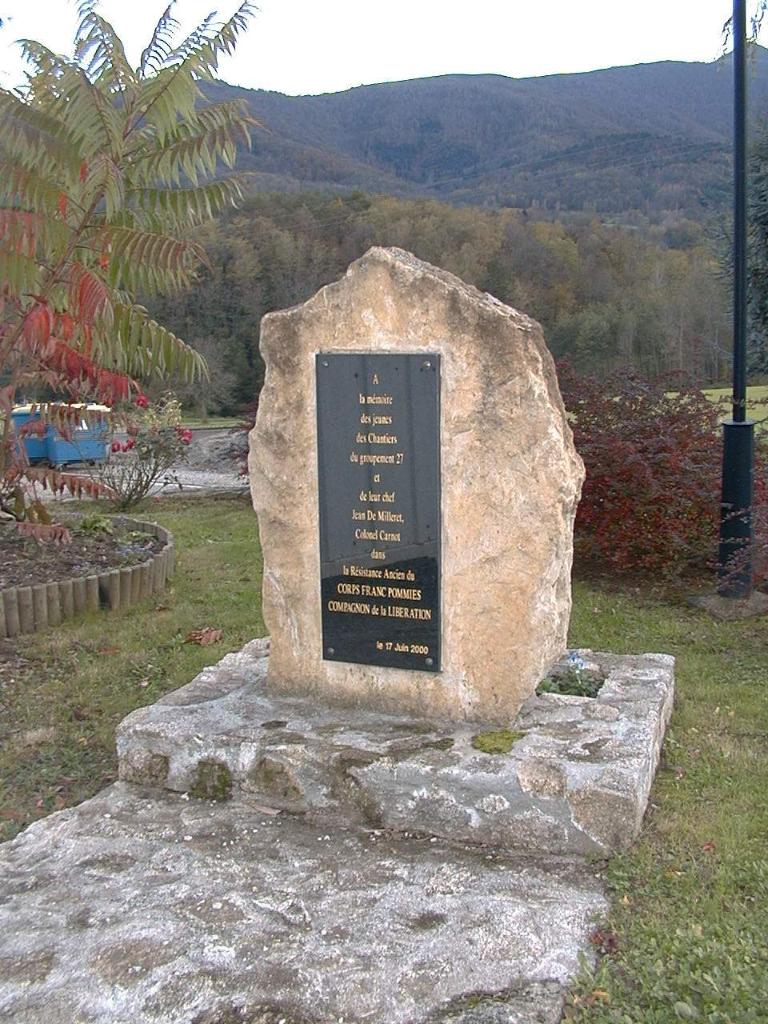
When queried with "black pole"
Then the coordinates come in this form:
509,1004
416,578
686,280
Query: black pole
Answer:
735,552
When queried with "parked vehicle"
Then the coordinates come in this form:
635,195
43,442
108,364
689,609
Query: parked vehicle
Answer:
89,442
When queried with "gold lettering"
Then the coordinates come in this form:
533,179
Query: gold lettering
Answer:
350,607
353,589
400,611
377,460
403,593
359,570
366,534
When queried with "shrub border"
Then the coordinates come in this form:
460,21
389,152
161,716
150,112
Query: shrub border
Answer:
32,608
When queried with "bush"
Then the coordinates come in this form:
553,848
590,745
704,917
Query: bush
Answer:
653,451
156,442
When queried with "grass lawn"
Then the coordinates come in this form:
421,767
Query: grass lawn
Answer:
687,936
60,705
755,393
757,403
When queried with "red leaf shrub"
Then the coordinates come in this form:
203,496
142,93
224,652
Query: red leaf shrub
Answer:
653,451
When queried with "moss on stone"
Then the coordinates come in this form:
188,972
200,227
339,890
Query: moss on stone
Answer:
496,741
212,782
273,779
152,772
442,744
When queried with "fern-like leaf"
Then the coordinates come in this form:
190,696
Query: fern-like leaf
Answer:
159,48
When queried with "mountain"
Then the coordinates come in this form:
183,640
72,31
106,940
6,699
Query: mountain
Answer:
647,140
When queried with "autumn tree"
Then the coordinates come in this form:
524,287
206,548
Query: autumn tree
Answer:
105,169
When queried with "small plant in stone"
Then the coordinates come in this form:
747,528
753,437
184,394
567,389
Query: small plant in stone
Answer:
571,683
572,677
156,443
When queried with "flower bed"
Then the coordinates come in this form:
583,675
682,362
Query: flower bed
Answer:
27,609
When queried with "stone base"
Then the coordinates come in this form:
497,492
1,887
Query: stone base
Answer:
575,781
152,908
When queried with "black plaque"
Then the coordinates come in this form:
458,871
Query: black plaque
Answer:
378,429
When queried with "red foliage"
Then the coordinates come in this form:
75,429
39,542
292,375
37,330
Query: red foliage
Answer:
48,337
50,532
88,295
653,451
38,323
81,377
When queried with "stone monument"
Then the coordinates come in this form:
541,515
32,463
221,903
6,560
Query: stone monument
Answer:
416,482
415,479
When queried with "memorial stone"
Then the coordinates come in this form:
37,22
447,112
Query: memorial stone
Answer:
415,480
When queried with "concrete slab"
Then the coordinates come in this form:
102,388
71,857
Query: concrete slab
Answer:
575,781
145,907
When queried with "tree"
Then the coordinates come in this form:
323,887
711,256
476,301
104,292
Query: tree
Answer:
104,169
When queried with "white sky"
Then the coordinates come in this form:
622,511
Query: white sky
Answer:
313,46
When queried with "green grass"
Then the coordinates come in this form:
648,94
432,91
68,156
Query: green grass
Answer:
686,939
83,678
690,900
755,393
757,404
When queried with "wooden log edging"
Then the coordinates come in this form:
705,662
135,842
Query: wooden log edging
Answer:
27,609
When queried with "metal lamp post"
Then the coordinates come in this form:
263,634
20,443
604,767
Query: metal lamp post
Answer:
735,560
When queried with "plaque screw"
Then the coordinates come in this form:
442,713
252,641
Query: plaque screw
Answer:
325,362
428,661
331,650
427,365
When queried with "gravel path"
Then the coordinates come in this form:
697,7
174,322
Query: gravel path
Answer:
185,479
213,463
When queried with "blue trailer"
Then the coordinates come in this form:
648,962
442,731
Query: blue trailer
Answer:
88,442
36,445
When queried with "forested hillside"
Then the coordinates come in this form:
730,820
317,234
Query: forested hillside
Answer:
606,296
633,143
